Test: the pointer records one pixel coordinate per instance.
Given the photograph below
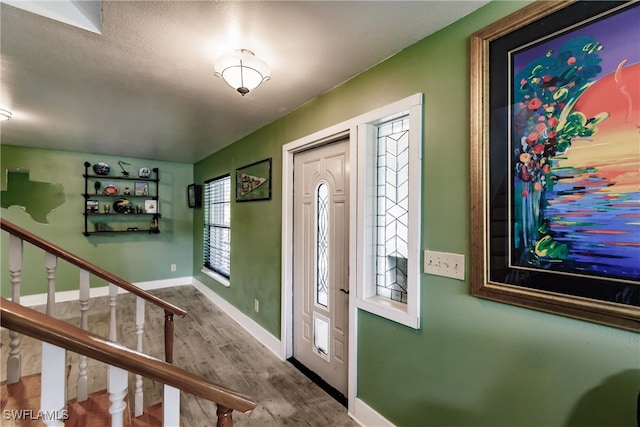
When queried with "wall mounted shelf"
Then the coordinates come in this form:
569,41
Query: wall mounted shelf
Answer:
131,209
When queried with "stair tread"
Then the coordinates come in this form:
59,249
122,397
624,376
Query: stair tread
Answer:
152,416
25,396
94,411
21,396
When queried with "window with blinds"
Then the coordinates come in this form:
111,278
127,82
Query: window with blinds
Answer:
217,225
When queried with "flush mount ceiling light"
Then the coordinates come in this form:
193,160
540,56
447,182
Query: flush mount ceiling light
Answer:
5,114
242,70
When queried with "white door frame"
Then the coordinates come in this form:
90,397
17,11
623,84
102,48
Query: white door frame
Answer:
336,132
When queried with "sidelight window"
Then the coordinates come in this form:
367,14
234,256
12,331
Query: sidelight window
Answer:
389,174
392,216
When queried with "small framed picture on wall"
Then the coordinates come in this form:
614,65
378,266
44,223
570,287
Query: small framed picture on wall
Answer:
253,182
194,195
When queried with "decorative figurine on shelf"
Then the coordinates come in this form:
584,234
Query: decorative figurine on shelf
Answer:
97,185
101,168
144,172
153,227
124,171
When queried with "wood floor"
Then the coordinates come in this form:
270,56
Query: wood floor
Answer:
209,344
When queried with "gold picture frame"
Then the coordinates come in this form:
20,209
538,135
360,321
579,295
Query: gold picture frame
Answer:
492,122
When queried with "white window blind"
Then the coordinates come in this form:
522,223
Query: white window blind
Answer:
217,225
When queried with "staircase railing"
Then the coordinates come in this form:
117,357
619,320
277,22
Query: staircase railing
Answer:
64,336
17,237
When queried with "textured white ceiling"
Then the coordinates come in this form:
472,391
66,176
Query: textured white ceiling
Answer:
145,87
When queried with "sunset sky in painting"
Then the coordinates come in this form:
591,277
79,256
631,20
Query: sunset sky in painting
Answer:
617,45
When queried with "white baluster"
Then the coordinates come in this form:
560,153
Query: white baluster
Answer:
171,406
15,271
117,389
140,305
113,293
84,324
53,390
50,264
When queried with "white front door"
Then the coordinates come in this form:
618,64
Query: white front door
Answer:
321,261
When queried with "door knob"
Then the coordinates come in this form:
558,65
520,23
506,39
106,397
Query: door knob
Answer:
344,291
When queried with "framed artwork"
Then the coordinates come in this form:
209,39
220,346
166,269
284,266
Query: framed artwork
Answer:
141,188
253,182
93,206
151,206
194,195
555,160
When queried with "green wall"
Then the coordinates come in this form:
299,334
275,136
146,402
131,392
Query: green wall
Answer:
134,257
473,362
255,231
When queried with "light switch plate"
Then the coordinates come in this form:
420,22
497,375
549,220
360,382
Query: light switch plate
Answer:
444,264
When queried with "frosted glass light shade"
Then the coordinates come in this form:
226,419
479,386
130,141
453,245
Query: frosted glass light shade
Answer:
242,70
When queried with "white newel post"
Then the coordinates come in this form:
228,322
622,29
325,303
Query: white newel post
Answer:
140,305
171,406
113,293
117,389
50,264
15,271
53,390
84,324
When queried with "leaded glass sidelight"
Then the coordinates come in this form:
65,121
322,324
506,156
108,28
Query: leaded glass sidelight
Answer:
392,197
322,244
389,191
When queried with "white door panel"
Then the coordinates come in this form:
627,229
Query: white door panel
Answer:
321,253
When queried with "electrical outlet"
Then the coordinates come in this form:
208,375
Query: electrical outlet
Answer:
444,264
256,305
173,267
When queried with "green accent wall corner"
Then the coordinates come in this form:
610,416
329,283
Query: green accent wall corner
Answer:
134,257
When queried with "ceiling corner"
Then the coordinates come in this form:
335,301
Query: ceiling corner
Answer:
85,14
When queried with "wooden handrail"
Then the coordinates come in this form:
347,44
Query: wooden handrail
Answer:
93,269
45,328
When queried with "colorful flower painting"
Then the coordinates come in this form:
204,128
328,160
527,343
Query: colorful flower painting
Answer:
575,150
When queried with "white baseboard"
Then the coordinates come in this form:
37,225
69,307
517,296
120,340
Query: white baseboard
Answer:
41,299
250,325
366,416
